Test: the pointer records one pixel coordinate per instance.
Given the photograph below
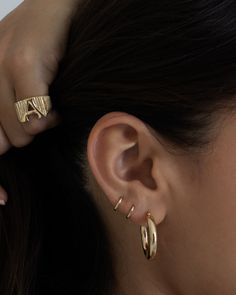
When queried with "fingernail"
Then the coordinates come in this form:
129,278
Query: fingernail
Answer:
3,196
2,202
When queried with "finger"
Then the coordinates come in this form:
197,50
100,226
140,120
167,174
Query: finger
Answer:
9,122
28,85
3,196
36,125
5,144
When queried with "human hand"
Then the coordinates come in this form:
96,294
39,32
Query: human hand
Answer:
32,42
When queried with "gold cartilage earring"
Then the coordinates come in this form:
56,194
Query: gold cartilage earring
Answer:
118,203
130,212
149,237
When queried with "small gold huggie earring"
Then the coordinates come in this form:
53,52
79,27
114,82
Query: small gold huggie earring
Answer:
149,237
130,212
118,203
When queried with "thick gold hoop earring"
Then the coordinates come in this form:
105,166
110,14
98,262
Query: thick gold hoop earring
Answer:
149,237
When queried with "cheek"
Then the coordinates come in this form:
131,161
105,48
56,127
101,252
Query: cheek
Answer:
202,231
200,235
216,197
218,191
213,217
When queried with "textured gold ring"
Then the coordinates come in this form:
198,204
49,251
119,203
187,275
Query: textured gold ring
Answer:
36,105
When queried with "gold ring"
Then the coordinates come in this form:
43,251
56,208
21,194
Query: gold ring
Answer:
118,203
38,105
130,212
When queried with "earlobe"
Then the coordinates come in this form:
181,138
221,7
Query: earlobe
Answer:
148,233
121,159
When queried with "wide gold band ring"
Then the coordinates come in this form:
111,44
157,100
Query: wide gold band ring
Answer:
36,105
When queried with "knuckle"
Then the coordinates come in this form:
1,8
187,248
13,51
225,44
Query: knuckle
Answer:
3,50
21,59
21,141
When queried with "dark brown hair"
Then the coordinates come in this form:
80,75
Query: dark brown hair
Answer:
170,63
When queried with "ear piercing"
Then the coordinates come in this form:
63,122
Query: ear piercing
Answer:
149,237
118,204
148,232
130,212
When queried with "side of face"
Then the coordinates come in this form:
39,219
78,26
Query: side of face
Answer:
192,198
202,219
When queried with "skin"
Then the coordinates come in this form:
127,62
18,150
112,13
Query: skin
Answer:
28,65
190,195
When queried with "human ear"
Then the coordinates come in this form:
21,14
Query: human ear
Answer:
127,160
